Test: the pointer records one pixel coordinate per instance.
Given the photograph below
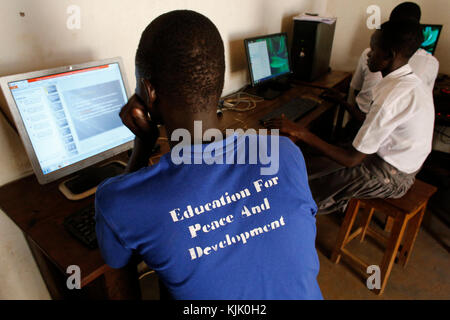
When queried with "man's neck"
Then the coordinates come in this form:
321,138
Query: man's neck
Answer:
195,124
395,65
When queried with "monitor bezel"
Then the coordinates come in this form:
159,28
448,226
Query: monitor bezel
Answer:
82,164
246,42
423,25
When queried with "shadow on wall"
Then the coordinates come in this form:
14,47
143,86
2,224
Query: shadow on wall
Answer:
361,40
238,62
237,65
287,25
238,57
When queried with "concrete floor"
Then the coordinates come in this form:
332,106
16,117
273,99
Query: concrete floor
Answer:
427,275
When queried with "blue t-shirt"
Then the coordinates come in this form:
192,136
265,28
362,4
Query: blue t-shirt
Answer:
216,231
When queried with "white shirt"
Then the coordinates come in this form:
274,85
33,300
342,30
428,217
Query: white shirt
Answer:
425,65
399,125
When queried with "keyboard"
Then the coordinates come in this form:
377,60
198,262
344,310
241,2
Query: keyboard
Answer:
292,110
81,225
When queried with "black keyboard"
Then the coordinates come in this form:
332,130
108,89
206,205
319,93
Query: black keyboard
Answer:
81,224
292,110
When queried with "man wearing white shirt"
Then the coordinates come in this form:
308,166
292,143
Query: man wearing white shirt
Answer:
424,65
396,135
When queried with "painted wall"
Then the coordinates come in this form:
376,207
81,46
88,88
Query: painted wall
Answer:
19,276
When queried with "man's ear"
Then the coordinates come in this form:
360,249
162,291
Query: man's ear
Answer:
150,100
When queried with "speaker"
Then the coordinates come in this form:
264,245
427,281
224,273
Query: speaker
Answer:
311,49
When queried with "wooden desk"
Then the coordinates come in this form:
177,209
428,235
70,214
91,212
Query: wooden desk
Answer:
39,211
336,79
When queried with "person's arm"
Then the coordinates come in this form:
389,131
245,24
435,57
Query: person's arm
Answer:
335,96
358,76
354,110
347,157
352,93
356,85
140,155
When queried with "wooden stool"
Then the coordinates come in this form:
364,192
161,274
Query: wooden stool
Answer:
405,211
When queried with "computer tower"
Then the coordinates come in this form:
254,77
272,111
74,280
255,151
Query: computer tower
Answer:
311,49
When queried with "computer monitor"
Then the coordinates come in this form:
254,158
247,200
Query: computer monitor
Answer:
431,33
68,117
268,57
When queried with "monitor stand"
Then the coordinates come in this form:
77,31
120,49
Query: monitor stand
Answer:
271,89
85,183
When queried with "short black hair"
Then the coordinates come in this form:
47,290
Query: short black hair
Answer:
406,10
181,52
401,36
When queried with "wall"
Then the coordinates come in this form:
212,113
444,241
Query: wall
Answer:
41,40
19,276
352,35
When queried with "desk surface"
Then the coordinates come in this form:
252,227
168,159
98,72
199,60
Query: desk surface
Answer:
246,120
39,210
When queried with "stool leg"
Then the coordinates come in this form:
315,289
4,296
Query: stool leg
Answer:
391,250
410,236
366,217
389,224
345,229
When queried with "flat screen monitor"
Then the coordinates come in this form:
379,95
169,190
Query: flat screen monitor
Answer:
268,57
431,33
68,117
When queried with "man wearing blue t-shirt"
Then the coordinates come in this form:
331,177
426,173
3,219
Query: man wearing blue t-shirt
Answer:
209,222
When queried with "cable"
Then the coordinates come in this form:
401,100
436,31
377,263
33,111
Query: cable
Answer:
145,274
234,101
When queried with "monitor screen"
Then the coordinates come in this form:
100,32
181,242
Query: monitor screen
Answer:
431,34
71,116
268,57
